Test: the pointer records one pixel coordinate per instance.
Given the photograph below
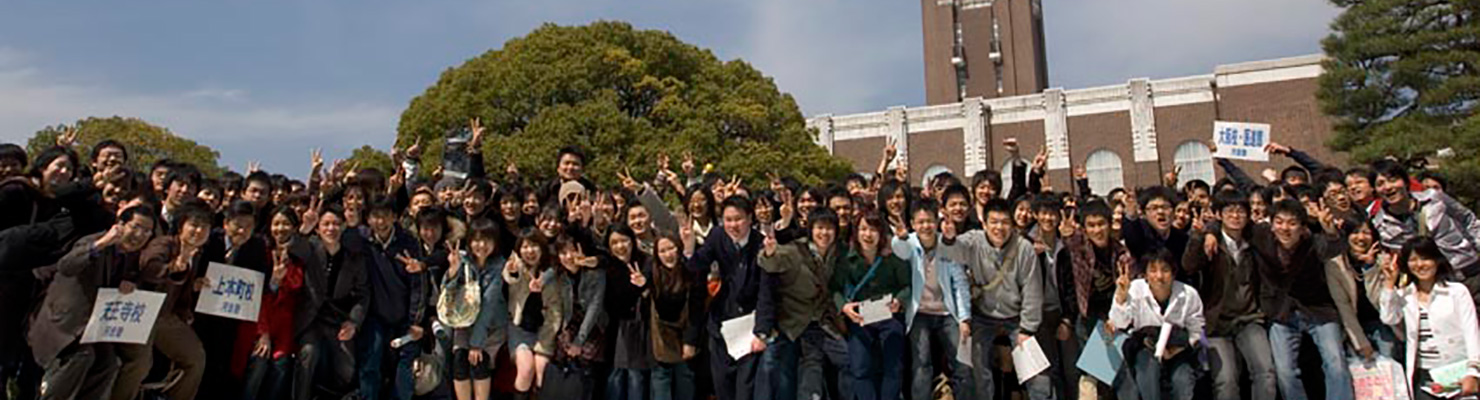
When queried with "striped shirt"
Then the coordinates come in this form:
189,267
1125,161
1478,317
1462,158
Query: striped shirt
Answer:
1428,348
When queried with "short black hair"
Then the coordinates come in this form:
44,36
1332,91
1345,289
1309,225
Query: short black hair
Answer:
1289,207
1230,198
1436,177
48,156
823,216
928,205
1293,170
1047,202
259,177
856,177
106,143
1156,192
1095,207
483,228
240,208
193,210
1363,173
11,151
232,181
432,216
480,188
1196,184
186,173
1391,169
1159,255
286,211
998,206
741,203
989,177
141,210
954,191
1305,192
382,203
571,150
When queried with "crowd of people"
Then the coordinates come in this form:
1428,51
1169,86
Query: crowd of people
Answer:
458,284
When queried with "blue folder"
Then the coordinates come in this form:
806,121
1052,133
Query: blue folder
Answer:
1101,358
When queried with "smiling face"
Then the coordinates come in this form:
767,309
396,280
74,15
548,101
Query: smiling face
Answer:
1361,240
999,226
570,167
1424,270
1022,214
194,233
59,171
1097,228
1159,278
1288,230
823,235
282,229
737,224
109,157
639,220
1392,189
1359,188
239,229
136,233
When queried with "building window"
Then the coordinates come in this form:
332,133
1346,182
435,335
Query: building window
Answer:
1007,169
1105,172
1196,162
934,170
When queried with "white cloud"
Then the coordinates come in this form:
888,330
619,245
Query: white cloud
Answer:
225,119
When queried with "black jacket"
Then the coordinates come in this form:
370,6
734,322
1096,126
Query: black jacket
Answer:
743,287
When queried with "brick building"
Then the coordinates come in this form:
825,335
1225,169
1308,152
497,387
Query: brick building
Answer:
1126,134
983,48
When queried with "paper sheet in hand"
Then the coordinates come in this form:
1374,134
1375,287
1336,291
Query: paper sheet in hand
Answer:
1028,360
1101,357
875,311
1161,340
1449,377
738,333
235,293
123,318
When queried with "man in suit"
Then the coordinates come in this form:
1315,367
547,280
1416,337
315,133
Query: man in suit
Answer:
744,290
336,270
96,261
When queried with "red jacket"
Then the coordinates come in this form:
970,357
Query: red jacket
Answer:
275,320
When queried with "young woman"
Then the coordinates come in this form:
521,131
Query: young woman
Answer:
1437,314
580,288
700,206
271,354
474,347
676,308
510,200
534,316
627,269
1143,308
1361,256
876,351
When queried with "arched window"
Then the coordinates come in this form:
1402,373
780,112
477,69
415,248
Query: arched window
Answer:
1007,170
934,170
1105,172
1196,162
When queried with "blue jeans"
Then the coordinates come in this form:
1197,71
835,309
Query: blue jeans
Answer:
374,340
1250,344
1284,340
628,384
778,376
1148,374
1384,340
673,382
985,331
940,332
876,358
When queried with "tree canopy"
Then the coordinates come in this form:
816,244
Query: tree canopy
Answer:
370,157
624,96
146,142
1402,80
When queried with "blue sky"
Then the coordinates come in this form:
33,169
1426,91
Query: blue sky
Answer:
268,80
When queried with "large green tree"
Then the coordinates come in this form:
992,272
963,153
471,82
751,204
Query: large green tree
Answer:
370,157
146,142
1403,80
625,96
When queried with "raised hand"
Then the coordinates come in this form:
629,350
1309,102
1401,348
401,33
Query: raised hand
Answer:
1068,225
414,152
891,149
413,265
688,163
1040,161
1080,173
316,160
280,266
627,181
536,283
475,144
1390,272
511,170
1210,245
1276,148
1122,280
635,276
1170,179
253,166
68,138
900,229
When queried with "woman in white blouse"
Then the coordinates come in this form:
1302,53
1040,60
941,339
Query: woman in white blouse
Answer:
1437,314
1144,308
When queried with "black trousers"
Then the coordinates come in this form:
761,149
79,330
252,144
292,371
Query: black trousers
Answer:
733,380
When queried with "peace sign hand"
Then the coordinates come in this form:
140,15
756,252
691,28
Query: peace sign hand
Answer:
280,266
412,264
891,149
316,160
1170,179
688,163
1389,272
627,181
635,275
475,125
1040,161
68,138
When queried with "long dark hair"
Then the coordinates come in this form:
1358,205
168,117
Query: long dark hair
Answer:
533,236
670,281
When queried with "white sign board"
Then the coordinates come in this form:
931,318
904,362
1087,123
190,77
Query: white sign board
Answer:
123,318
1241,141
234,292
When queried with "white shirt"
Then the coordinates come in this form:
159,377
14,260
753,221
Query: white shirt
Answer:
1184,309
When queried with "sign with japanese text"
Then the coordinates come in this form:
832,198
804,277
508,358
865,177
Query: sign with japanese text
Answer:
123,318
1241,141
234,292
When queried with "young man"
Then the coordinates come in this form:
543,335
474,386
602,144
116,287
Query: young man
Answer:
1097,257
235,244
73,369
396,272
1157,310
171,264
734,246
1055,260
939,311
805,315
181,186
1404,215
336,271
1360,188
1006,293
1144,232
1235,324
1295,263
